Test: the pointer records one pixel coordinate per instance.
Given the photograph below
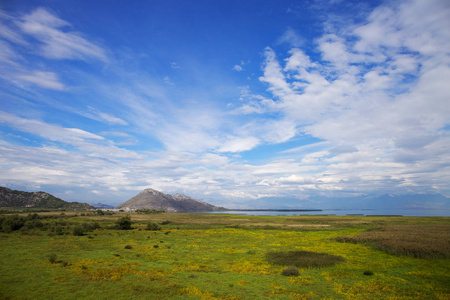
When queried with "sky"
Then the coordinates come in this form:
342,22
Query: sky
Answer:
236,103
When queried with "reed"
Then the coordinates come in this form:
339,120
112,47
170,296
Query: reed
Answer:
419,241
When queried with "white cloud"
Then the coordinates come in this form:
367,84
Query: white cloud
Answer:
174,65
381,88
104,117
239,144
7,32
47,80
85,141
374,96
58,44
292,38
238,68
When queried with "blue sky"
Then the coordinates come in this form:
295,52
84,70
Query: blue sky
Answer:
231,102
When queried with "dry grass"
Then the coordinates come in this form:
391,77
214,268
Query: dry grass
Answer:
420,241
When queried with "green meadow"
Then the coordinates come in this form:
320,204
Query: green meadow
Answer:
220,256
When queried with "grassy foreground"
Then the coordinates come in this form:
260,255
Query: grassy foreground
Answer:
211,256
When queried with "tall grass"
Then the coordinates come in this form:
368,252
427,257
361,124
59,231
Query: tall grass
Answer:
419,241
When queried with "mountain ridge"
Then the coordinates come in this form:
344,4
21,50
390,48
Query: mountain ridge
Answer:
40,200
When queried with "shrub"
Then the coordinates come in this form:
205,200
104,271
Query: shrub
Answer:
303,259
291,271
33,216
11,223
91,226
77,230
52,258
63,263
124,223
165,222
153,226
58,230
37,223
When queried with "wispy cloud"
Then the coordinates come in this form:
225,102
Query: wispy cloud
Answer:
104,117
47,80
57,42
292,38
361,108
85,141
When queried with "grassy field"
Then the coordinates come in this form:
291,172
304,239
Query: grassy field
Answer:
212,256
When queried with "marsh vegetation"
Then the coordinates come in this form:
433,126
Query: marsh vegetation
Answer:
210,256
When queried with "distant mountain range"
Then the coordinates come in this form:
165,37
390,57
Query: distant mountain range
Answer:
153,199
101,205
408,201
384,201
37,200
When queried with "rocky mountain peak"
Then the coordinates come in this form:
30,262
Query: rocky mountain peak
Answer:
153,199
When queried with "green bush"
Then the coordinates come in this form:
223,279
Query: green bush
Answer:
37,223
52,258
152,226
124,223
91,226
78,230
33,216
291,271
11,223
56,229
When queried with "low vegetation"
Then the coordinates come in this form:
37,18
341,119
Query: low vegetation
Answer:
148,211
152,226
303,259
291,271
210,256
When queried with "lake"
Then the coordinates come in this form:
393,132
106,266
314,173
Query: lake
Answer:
344,212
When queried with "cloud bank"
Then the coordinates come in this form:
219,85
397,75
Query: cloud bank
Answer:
359,109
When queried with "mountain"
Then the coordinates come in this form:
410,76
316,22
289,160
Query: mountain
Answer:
153,199
101,205
40,200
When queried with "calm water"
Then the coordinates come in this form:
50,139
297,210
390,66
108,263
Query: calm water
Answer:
344,212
